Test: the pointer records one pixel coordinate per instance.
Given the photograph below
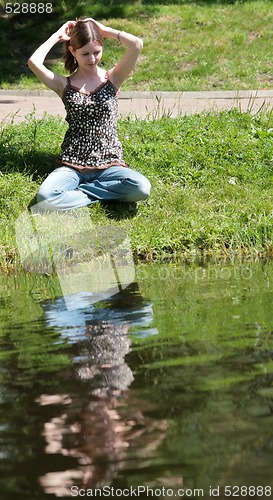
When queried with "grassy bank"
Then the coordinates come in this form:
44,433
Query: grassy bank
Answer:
201,45
211,175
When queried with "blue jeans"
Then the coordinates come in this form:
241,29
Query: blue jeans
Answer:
66,188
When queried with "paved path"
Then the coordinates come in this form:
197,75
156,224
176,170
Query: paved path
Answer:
17,104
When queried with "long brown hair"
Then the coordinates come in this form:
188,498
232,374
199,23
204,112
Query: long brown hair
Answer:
82,33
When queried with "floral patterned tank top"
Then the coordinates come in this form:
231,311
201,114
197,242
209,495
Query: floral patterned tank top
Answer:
91,141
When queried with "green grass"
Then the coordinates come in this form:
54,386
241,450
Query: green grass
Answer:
201,45
211,175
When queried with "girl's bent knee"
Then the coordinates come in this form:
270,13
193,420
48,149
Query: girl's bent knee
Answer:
138,187
45,199
144,188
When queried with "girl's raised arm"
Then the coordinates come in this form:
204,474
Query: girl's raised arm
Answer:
36,61
134,45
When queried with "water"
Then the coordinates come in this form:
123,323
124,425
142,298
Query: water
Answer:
163,390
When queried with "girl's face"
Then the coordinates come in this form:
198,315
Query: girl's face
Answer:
89,55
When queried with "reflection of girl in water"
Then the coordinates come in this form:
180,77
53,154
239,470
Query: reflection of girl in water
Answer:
112,427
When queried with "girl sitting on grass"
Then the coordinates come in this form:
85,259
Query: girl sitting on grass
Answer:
91,165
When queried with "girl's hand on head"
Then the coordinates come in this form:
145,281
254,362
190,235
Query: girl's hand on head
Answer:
103,29
65,30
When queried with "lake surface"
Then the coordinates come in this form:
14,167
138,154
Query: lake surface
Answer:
164,389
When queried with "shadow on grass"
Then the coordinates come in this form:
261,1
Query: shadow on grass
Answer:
115,210
34,163
118,210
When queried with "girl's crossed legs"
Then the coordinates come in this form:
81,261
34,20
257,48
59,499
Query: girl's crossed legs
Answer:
67,188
